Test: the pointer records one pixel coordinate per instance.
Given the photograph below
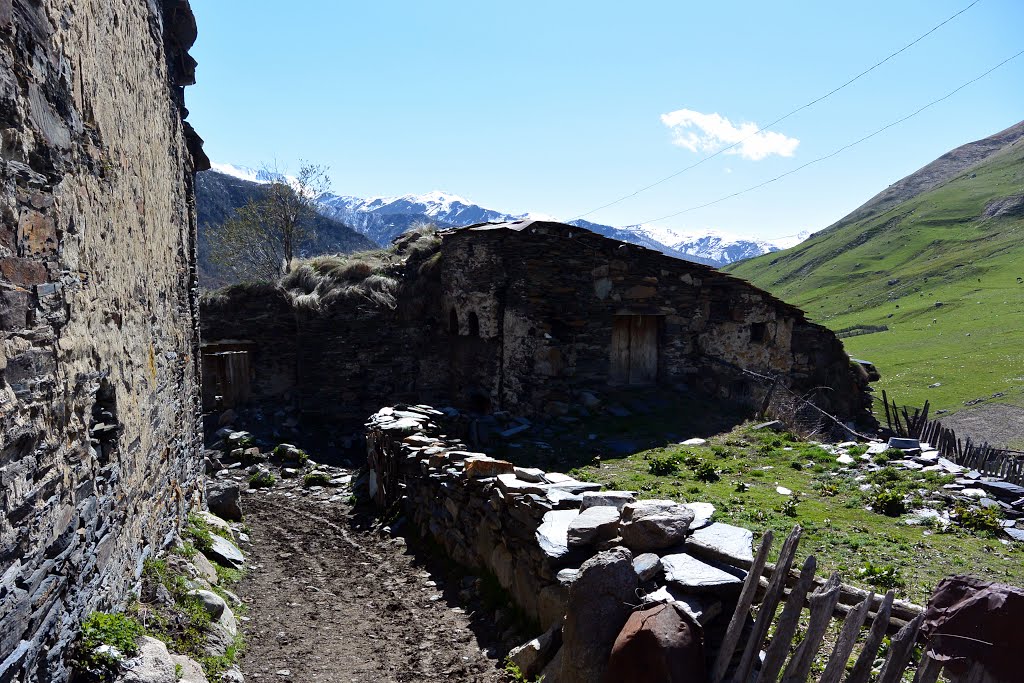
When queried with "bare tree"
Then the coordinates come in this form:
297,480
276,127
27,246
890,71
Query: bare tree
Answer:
259,241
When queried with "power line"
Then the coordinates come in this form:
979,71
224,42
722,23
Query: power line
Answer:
843,148
784,117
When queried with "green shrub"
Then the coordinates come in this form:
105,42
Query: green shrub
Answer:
197,532
316,479
705,471
103,628
788,506
978,519
262,480
881,576
661,466
888,502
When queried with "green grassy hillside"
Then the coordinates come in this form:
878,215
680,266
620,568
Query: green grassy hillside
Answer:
941,268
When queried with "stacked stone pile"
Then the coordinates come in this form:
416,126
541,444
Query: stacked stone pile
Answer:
541,533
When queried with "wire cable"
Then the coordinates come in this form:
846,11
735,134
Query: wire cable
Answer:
841,149
784,117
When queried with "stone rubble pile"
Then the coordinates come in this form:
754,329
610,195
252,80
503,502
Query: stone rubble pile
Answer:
970,488
545,534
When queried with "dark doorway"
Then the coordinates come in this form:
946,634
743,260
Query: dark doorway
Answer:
634,349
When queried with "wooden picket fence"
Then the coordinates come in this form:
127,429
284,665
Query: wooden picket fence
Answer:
737,662
997,462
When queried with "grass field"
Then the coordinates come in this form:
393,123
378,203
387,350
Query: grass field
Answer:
739,471
946,281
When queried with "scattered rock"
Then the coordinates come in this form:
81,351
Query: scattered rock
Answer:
212,603
204,568
702,514
222,497
225,552
532,656
153,664
654,524
783,491
191,670
693,442
904,444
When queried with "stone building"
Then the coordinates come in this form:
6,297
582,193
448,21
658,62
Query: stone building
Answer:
98,312
525,317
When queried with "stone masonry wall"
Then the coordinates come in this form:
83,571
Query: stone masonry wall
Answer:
99,450
544,297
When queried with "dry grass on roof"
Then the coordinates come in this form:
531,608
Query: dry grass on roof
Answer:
372,277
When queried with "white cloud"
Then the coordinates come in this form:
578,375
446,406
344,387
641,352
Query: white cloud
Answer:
711,132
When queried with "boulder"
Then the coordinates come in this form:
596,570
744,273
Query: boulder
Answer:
658,645
594,524
204,568
224,552
223,499
724,543
191,670
598,606
153,664
532,656
654,524
212,603
616,499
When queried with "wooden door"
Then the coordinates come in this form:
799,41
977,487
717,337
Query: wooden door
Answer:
634,349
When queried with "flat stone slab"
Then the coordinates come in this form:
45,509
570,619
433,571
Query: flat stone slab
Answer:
724,543
1015,534
876,448
225,552
480,468
702,513
552,534
951,466
599,523
693,442
531,474
695,576
904,444
616,499
845,459
510,484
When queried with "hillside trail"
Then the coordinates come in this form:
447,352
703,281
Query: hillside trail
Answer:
327,601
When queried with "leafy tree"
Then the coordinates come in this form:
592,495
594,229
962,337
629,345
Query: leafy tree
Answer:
259,241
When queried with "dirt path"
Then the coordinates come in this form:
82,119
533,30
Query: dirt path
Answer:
329,602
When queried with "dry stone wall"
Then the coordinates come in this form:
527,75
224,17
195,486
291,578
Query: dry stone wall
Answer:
538,532
99,456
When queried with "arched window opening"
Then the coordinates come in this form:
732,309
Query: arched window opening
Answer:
474,324
453,322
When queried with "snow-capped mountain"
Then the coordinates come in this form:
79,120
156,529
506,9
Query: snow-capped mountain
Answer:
382,219
253,175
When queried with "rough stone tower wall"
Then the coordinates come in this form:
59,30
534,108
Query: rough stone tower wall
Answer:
99,456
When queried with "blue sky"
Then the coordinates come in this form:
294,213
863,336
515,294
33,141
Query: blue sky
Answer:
560,107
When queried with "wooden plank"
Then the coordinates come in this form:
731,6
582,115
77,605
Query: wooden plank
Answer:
845,642
643,350
823,602
900,650
619,372
928,670
766,613
862,668
785,628
739,615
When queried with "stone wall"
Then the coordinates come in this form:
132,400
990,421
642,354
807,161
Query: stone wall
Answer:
546,299
527,317
99,393
535,531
